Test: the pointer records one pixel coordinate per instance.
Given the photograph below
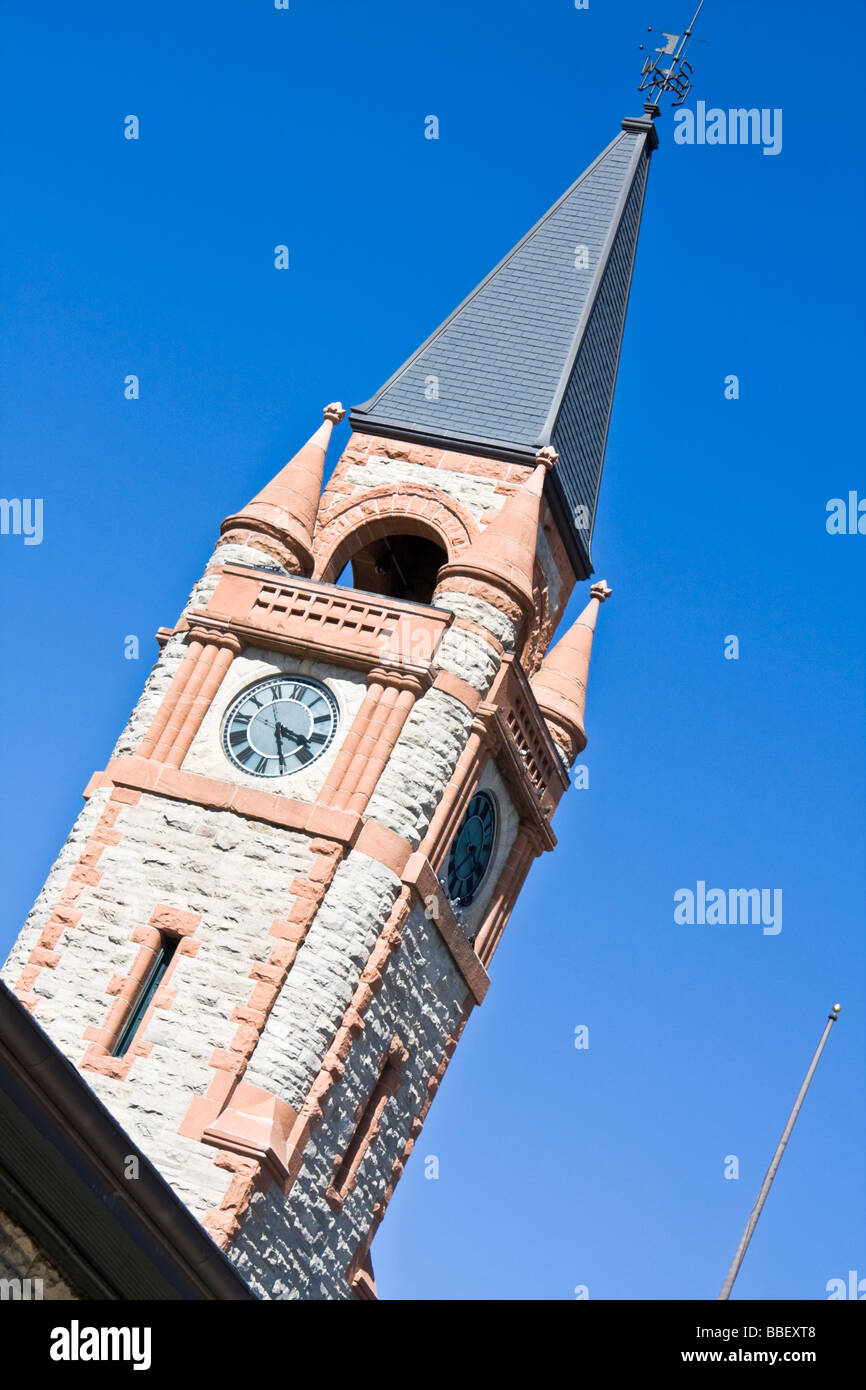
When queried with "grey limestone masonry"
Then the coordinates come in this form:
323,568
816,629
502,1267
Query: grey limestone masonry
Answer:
236,874
76,842
21,1259
162,672
150,699
477,495
298,1246
550,570
421,765
467,655
307,1254
203,588
426,753
325,975
476,610
230,553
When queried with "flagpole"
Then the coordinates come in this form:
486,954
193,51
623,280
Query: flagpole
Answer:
777,1158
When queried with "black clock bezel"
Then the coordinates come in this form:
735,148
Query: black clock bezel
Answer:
482,795
280,678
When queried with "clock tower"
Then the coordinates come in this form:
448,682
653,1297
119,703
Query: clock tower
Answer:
282,900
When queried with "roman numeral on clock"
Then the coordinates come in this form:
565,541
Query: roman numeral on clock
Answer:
263,737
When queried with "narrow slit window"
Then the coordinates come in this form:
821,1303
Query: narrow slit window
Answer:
151,983
367,1126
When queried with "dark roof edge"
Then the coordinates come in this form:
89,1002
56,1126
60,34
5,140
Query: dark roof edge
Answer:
621,336
593,292
577,552
482,445
151,1207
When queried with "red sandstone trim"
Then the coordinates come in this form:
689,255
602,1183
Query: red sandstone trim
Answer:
166,709
419,875
288,1155
65,917
450,811
361,1255
458,690
200,703
396,712
370,721
141,775
250,1175
368,1117
224,1222
294,615
169,921
363,1285
189,694
523,851
385,846
257,1126
221,1100
370,740
347,525
497,597
336,779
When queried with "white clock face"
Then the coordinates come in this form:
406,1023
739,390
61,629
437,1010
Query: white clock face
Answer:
280,725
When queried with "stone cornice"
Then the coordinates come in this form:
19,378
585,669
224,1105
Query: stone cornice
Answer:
343,625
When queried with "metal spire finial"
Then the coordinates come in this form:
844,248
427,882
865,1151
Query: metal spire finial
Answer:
656,79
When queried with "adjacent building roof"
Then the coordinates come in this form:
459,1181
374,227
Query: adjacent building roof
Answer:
530,357
64,1162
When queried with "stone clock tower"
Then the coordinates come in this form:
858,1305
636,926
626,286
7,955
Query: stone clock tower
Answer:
280,904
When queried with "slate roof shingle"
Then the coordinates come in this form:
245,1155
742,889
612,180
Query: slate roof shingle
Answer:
530,357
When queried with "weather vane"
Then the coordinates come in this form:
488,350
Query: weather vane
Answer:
657,79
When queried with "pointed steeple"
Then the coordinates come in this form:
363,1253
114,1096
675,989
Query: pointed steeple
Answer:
281,519
503,556
559,685
530,358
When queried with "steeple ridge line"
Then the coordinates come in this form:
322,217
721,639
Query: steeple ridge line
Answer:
592,296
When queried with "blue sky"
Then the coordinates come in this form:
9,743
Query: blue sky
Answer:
558,1167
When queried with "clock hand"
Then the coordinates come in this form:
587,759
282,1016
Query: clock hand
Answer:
287,733
470,860
277,727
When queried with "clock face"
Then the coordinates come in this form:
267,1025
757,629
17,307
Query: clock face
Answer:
472,849
280,725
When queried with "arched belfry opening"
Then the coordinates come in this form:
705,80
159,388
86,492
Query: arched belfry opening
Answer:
399,565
